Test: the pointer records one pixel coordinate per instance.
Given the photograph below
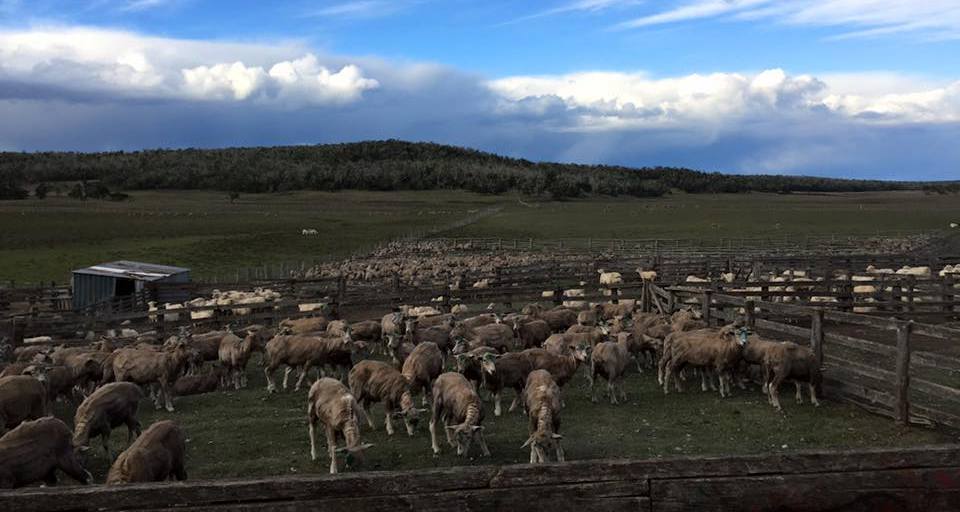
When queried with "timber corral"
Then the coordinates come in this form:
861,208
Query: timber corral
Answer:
919,479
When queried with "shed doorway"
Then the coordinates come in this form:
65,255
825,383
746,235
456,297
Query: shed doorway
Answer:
125,287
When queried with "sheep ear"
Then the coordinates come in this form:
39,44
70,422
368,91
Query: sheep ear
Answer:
557,436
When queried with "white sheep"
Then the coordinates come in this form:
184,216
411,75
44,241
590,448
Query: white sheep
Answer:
695,279
610,278
647,275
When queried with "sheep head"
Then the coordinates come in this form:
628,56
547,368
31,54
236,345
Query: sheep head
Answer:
489,363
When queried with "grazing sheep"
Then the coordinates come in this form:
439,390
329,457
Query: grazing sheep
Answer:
57,380
234,354
504,371
376,381
496,335
391,325
156,369
398,349
108,407
541,398
159,454
457,405
22,398
789,361
422,367
330,403
710,349
439,334
304,352
559,319
200,383
530,334
609,360
34,451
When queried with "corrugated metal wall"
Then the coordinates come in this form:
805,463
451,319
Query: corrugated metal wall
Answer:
173,294
90,289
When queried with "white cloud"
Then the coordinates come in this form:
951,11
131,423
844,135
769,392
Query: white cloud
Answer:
576,6
927,19
94,61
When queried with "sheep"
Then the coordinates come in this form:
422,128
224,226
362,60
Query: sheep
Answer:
906,270
609,360
559,319
438,334
337,327
562,366
541,398
609,311
27,354
789,361
531,333
330,403
33,452
304,325
754,352
589,317
422,367
159,454
59,381
504,371
575,292
298,351
201,383
398,349
497,335
711,349
647,275
610,279
368,330
22,398
208,344
375,381
158,369
234,354
457,404
108,407
468,364
562,342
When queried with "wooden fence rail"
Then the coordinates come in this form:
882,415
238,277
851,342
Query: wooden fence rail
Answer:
918,479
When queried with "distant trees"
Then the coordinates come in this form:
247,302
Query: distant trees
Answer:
377,165
41,190
942,188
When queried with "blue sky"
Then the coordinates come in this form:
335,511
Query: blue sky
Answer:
858,88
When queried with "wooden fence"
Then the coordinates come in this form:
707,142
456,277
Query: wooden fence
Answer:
878,368
921,479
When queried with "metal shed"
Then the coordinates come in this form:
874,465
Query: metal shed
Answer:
99,283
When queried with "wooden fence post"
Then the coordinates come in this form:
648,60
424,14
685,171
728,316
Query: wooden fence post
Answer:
946,291
645,297
705,306
816,335
749,313
341,287
671,303
902,411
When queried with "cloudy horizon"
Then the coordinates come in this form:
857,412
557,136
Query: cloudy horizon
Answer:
844,88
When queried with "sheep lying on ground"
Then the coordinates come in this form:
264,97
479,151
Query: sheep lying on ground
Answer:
200,383
375,381
35,450
457,404
108,407
330,403
541,399
159,454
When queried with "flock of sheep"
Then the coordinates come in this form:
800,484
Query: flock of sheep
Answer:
445,359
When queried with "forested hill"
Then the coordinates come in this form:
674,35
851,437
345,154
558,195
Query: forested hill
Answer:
382,165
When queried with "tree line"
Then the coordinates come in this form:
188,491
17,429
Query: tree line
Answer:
382,165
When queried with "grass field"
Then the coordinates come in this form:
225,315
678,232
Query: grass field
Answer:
250,433
44,240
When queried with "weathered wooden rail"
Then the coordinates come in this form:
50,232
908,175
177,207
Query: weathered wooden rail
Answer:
918,479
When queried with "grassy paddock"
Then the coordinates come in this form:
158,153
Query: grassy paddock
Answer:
44,240
250,433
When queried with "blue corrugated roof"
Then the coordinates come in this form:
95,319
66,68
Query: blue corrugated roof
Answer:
132,270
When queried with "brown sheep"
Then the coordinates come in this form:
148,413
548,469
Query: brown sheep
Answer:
34,451
337,327
711,349
439,334
376,381
422,367
531,334
14,369
398,349
155,369
368,330
391,325
200,383
609,360
29,353
559,319
541,399
159,454
108,407
562,343
22,398
562,366
300,351
457,404
331,404
208,344
496,335
304,325
589,317
468,364
58,381
609,311
789,361
505,371
234,354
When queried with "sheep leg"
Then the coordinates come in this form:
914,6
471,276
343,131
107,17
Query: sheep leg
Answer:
312,428
496,404
612,391
774,390
813,395
560,455
133,429
105,439
236,378
796,383
332,449
449,433
533,454
703,380
710,376
286,376
389,422
433,436
623,390
156,396
271,386
513,404
483,444
303,374
167,396
666,380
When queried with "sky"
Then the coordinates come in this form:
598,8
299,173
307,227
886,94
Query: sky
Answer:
847,88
